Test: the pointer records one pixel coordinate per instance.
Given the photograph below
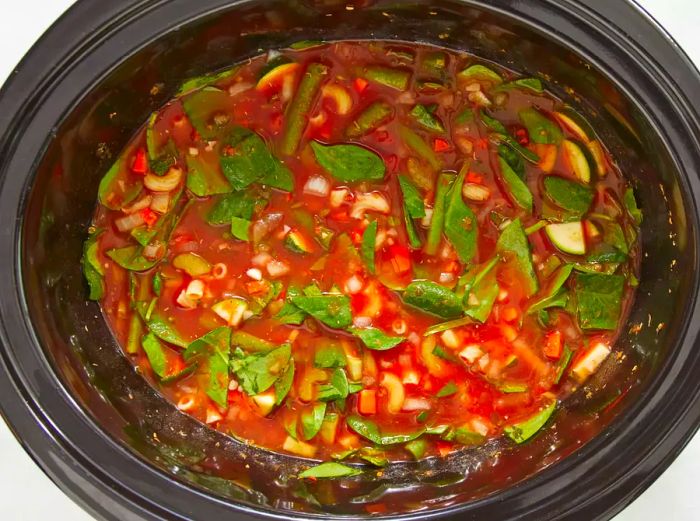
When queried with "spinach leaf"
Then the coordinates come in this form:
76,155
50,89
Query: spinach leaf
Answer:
631,205
92,268
437,223
329,470
523,431
481,290
332,310
513,159
376,339
531,84
118,187
337,389
349,163
557,300
330,356
518,190
569,195
615,237
131,258
202,107
369,240
417,448
478,72
504,136
284,384
155,352
311,420
214,347
250,161
553,296
604,254
237,204
258,372
412,198
170,379
160,326
240,228
466,436
599,300
433,298
461,227
420,147
206,80
513,241
368,429
540,128
205,178
426,119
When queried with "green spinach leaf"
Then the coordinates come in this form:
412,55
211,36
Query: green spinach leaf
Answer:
332,310
513,241
311,420
205,178
540,128
426,119
631,205
215,349
523,431
155,352
518,190
433,298
237,204
376,339
330,470
349,163
461,227
92,268
599,300
257,372
569,195
369,240
284,384
368,429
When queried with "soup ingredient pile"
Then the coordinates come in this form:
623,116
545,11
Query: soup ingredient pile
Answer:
365,250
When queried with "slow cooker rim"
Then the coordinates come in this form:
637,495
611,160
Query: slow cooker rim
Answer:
77,10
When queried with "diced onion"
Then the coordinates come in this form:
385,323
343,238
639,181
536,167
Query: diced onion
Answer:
317,185
415,404
589,363
425,221
480,426
231,310
471,353
277,268
129,222
479,98
142,203
254,273
164,183
153,250
446,277
261,259
338,197
362,321
213,415
450,339
354,285
160,202
475,192
263,227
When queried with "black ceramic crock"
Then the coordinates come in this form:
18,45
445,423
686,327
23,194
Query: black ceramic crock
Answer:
117,448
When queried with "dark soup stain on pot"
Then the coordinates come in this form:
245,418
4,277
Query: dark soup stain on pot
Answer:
367,252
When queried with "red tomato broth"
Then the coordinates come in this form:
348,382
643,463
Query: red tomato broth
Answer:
479,402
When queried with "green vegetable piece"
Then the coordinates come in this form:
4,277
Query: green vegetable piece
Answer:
155,352
311,420
437,223
540,128
118,187
523,431
349,163
206,80
420,173
513,241
368,429
143,234
92,268
417,448
159,326
503,135
564,362
448,389
297,114
461,227
615,236
330,356
376,339
131,258
302,45
552,296
413,207
337,389
433,298
466,436
204,178
284,384
257,372
367,249
531,84
605,254
420,147
370,119
481,290
569,195
330,470
192,264
512,388
435,62
250,161
214,348
240,228
480,73
249,342
427,119
599,300
171,379
237,204
203,110
513,159
517,189
133,340
450,324
332,310
631,205
464,117
395,78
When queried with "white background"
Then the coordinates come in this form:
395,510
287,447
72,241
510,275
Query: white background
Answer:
26,493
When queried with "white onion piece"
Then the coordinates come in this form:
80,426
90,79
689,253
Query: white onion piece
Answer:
277,268
317,185
160,202
164,183
142,203
338,197
475,192
153,250
237,88
415,404
362,321
129,222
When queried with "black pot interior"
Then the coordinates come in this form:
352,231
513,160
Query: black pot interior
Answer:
92,367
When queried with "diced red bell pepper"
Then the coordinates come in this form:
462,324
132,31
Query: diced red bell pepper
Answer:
140,164
473,177
444,448
149,216
400,258
441,145
360,84
367,403
522,136
257,287
553,345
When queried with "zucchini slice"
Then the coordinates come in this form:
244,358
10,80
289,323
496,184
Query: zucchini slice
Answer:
567,237
577,159
274,78
574,123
